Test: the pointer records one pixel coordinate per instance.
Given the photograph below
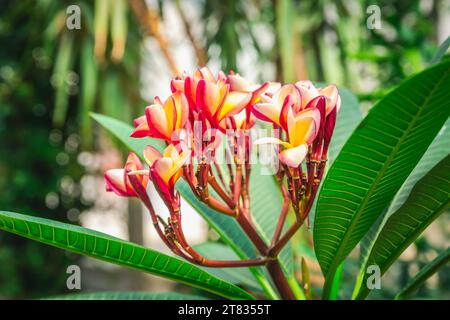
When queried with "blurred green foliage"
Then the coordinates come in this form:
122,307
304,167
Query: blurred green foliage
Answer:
51,77
35,159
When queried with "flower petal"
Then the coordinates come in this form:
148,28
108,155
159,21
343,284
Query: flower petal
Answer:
163,167
238,83
307,92
177,85
272,140
233,104
151,155
332,94
157,122
141,131
273,87
170,152
293,157
138,121
209,97
267,112
182,108
289,89
307,125
287,104
258,92
115,182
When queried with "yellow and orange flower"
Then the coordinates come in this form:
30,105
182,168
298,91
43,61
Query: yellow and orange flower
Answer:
162,120
217,99
166,168
301,130
117,180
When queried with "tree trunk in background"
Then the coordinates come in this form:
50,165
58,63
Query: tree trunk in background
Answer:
443,25
135,234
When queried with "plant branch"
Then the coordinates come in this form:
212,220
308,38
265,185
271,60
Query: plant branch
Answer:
150,21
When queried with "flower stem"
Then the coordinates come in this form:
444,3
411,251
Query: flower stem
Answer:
280,280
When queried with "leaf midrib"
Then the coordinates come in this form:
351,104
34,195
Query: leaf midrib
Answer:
380,175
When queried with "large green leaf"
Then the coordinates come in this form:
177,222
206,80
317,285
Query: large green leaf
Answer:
228,229
428,199
431,268
104,247
435,153
128,296
376,161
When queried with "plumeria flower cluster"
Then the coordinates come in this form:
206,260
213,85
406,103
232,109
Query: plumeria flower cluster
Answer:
196,119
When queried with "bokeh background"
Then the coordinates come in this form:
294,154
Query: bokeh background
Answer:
52,155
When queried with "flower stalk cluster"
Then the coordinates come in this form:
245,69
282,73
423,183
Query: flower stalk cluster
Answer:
202,114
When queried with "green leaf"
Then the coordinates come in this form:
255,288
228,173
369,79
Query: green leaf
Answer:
376,161
441,51
104,247
428,199
128,296
228,229
435,153
238,276
122,131
431,268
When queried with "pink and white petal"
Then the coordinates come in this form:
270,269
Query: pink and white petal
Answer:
332,94
182,109
138,121
233,104
289,89
307,94
151,155
177,85
272,140
273,87
238,83
208,97
293,157
267,112
158,101
141,130
157,121
291,127
239,119
338,104
170,109
170,152
163,167
179,161
206,74
305,131
258,92
309,113
287,104
133,162
115,181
